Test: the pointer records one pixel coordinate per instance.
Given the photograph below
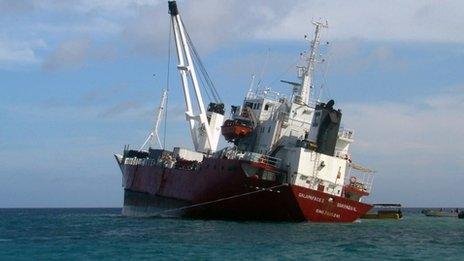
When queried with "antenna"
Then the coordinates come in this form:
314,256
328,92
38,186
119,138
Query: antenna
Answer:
252,82
263,69
307,72
325,68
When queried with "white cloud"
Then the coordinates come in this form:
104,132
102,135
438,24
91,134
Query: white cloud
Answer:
98,27
71,54
426,127
425,134
415,146
213,24
422,21
77,53
14,53
143,24
352,57
16,7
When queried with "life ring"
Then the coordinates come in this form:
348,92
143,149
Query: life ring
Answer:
353,180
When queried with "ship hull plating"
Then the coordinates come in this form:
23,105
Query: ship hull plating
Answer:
220,189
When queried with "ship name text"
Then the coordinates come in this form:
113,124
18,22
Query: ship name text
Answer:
311,197
327,213
348,207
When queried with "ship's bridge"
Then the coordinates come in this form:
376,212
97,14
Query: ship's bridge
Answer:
263,104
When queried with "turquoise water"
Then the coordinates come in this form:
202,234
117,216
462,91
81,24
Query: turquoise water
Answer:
77,234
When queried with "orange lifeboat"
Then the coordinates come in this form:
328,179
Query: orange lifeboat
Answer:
235,129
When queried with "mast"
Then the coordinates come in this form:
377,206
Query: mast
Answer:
205,137
154,131
307,72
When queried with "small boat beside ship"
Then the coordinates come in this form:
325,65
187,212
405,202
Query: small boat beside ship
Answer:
440,212
384,211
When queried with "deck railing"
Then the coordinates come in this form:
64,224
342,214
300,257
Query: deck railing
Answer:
233,153
360,181
261,158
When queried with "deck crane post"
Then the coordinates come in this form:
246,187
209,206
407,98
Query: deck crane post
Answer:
204,126
154,131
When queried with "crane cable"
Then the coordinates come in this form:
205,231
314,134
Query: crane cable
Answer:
207,82
167,86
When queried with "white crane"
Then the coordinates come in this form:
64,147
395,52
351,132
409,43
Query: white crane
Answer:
154,131
204,126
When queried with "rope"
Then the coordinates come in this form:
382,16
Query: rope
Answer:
218,200
167,86
203,71
202,82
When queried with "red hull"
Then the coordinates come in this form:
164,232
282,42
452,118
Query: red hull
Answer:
219,189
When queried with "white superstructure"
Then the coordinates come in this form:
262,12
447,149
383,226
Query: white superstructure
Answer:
303,135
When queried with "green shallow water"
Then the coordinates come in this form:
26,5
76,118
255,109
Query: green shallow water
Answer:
83,234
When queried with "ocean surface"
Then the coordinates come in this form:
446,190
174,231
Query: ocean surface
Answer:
100,234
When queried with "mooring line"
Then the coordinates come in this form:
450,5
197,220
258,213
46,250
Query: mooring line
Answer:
217,200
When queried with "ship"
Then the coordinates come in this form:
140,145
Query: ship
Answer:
286,158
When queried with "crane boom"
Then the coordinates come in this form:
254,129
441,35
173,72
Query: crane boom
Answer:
154,131
205,125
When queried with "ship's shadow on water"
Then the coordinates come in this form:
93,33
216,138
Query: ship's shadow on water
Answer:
106,234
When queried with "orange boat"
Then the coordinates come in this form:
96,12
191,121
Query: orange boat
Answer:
235,129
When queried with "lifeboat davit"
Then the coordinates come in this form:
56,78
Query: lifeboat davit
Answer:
235,129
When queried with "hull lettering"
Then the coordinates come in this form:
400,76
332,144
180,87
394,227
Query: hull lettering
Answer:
311,197
327,213
347,207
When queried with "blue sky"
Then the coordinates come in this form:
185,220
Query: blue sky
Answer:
76,81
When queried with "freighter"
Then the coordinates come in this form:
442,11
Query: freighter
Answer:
288,158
